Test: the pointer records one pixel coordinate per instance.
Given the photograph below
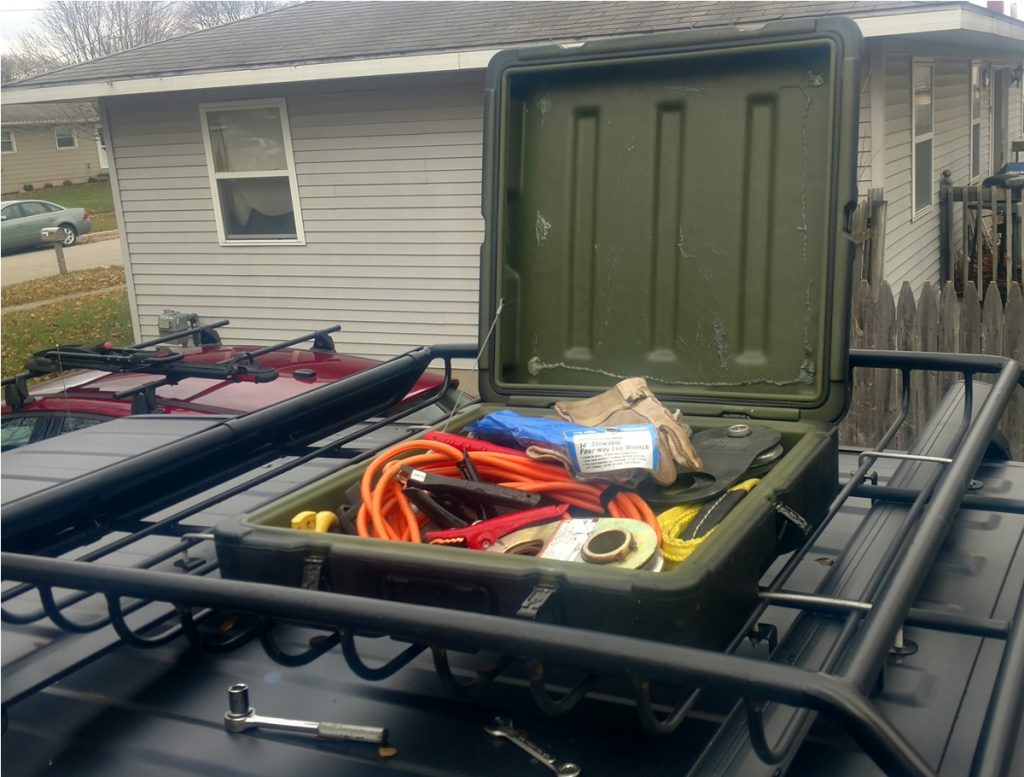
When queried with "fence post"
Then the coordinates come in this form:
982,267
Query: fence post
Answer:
876,235
949,330
928,313
965,221
970,321
907,339
979,245
946,226
1013,346
1009,237
991,325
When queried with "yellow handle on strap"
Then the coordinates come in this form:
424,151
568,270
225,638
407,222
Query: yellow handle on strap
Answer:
309,520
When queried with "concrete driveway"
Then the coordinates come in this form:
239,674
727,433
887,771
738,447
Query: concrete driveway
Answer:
41,263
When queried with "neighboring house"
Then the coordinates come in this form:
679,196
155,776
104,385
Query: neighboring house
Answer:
323,162
50,144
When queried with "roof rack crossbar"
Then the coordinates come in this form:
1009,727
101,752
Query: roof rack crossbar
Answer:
168,338
318,335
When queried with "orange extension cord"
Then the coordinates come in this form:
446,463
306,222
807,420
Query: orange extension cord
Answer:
386,513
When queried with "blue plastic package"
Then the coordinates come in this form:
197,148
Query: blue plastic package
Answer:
507,427
591,450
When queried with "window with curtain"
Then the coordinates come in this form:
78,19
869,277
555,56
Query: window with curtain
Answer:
923,132
252,173
65,137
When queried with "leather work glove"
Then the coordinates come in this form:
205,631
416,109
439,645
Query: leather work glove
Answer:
631,402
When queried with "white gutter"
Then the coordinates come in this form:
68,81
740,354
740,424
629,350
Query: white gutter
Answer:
945,20
910,23
324,71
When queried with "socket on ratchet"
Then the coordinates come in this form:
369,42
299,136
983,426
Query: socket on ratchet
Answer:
242,717
502,727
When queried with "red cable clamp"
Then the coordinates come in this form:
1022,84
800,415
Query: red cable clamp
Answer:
483,534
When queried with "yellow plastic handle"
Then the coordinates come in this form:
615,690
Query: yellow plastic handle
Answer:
310,520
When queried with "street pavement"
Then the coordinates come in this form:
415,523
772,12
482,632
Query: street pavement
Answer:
28,265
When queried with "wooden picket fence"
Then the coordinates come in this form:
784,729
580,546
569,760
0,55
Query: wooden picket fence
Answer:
945,323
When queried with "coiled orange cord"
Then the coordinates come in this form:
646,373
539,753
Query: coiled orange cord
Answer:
385,512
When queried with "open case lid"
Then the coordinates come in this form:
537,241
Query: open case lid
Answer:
673,207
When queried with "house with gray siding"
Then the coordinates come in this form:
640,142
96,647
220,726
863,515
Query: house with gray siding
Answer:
322,162
49,144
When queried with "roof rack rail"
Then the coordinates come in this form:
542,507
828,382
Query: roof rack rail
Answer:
321,342
868,627
169,364
204,334
134,358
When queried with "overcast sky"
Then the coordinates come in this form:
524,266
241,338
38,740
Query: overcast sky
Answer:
16,16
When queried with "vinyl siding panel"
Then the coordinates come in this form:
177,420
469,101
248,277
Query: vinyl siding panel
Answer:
864,136
388,177
912,240
38,161
912,243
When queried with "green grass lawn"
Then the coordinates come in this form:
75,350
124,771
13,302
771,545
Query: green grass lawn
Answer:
86,320
102,222
96,198
59,285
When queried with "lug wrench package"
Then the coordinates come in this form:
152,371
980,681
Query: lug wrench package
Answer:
666,272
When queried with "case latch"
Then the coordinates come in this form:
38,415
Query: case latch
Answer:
533,603
312,573
793,517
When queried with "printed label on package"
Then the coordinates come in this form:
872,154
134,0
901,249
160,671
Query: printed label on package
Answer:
568,539
607,450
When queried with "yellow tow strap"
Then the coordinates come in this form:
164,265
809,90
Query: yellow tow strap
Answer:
674,522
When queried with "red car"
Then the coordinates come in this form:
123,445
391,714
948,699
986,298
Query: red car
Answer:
83,398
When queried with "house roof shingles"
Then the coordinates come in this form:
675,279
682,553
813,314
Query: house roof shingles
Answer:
49,113
333,31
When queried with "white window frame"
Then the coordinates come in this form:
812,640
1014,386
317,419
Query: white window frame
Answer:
101,147
70,131
915,139
973,120
282,107
14,145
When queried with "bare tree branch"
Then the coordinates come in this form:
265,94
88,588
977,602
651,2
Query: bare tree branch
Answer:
74,31
71,32
203,14
17,64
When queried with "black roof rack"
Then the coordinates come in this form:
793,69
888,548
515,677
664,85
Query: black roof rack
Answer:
784,697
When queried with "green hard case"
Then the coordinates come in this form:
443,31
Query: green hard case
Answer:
668,206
